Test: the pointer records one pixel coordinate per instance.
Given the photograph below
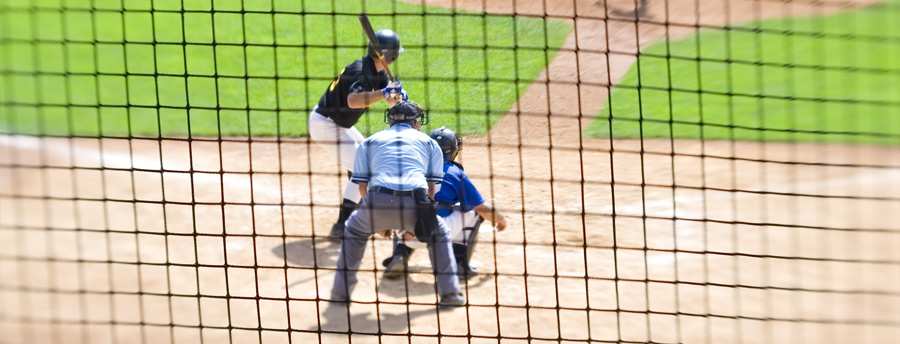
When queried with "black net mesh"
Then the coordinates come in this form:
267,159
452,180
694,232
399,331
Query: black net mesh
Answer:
671,171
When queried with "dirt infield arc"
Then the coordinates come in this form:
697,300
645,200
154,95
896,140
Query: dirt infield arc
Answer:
824,270
768,242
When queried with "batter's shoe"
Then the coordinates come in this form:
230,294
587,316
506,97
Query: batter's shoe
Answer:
337,230
398,264
452,300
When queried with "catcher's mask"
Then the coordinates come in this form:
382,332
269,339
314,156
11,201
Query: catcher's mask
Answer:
405,111
390,45
449,142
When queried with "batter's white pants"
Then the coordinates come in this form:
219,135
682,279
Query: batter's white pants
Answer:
456,222
339,142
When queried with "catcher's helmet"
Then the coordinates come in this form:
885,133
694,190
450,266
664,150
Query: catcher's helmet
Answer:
390,45
405,111
449,142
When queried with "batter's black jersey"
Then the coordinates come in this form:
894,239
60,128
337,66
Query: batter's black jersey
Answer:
359,76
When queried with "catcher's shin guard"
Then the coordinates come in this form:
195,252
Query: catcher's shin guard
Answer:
472,236
463,268
463,252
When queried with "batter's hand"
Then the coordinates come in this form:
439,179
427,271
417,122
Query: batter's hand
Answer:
392,89
402,95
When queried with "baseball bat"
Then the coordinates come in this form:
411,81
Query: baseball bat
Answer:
367,28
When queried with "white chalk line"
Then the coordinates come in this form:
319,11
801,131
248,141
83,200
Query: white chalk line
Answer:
128,160
650,207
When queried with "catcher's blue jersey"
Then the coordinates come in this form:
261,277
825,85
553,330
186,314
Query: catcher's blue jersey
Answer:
457,188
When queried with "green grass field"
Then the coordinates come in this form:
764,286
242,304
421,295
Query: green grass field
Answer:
263,73
835,75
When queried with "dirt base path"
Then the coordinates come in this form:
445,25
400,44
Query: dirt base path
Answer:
604,45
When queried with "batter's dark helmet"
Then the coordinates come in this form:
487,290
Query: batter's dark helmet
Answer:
390,45
449,142
405,111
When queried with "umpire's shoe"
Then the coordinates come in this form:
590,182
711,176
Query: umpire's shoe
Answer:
337,230
339,297
399,261
452,300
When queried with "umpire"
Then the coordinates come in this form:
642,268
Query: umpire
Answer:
331,123
460,205
397,170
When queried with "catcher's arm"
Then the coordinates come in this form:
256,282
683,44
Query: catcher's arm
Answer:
491,213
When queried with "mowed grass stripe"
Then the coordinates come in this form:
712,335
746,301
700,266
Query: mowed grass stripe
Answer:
69,71
823,79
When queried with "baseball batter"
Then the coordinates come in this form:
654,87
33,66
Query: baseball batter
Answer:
397,170
461,207
331,123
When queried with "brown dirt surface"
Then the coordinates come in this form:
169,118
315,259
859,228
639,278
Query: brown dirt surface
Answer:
819,265
124,241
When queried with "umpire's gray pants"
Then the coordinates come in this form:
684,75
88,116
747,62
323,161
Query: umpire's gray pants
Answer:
379,212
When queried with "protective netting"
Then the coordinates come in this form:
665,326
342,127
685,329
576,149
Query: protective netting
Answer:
739,183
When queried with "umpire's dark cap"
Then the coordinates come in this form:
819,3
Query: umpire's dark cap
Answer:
405,111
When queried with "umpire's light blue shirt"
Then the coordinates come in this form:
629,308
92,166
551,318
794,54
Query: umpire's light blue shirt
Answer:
399,158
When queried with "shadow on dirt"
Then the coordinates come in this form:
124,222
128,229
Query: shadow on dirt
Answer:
300,252
338,319
419,281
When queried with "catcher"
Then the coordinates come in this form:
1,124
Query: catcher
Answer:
461,207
